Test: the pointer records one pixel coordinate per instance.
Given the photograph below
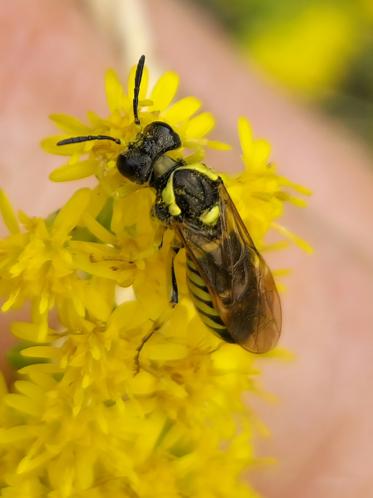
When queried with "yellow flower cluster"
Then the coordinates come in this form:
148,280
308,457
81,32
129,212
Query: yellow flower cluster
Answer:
124,395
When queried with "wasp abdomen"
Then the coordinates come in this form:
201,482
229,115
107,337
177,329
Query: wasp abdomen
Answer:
203,302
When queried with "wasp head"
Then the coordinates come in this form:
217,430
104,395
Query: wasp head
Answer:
136,163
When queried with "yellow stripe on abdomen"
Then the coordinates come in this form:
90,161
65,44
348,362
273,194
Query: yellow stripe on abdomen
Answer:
203,302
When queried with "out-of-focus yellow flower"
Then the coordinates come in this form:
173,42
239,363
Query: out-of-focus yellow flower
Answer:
364,10
127,396
309,52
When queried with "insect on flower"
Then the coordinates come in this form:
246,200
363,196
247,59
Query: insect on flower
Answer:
230,284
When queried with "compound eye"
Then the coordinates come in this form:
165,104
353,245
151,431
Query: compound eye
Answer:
135,166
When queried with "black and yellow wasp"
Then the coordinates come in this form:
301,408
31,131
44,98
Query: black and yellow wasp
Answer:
231,286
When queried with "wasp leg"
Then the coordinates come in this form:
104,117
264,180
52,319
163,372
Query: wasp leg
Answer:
159,237
174,291
140,347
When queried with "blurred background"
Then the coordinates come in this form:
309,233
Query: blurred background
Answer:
321,51
302,72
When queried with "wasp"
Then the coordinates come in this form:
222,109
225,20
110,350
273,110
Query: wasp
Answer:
232,287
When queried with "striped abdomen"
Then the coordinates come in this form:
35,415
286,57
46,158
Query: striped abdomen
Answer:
203,302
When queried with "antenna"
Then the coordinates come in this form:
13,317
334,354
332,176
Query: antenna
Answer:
75,140
136,91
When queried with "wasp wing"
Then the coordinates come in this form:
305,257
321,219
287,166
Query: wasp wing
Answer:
239,281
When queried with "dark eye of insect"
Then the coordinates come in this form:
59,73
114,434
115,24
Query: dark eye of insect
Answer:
135,166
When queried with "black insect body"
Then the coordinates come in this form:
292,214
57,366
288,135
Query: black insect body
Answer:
137,163
231,286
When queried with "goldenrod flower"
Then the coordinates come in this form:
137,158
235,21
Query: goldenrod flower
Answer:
42,265
99,158
126,396
259,192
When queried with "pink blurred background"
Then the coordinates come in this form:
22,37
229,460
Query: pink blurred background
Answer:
53,59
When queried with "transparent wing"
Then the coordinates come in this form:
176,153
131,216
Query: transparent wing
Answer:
239,281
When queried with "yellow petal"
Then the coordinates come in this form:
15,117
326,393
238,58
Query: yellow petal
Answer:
217,145
44,303
245,134
69,124
27,464
99,298
42,328
11,300
22,404
96,250
106,269
47,352
30,390
130,314
25,331
165,352
76,171
115,95
150,432
34,370
276,246
143,383
295,186
284,196
260,153
50,145
45,381
69,216
199,126
291,236
15,434
85,468
182,110
8,214
98,230
98,200
95,119
164,90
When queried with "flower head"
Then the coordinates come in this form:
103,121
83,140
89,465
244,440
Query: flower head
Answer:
100,158
260,193
127,395
43,265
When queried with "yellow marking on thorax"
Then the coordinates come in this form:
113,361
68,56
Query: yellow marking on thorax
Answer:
168,194
202,168
210,216
168,197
